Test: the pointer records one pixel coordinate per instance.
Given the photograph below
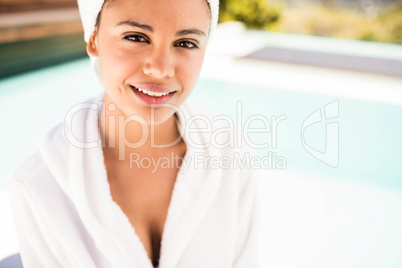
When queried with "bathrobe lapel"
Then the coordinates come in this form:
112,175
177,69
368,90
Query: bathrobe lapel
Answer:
85,182
193,194
112,230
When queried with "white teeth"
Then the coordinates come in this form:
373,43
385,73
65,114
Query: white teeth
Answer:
153,94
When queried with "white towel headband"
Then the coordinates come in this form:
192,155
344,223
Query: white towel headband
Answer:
89,10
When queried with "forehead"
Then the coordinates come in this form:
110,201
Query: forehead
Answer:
174,13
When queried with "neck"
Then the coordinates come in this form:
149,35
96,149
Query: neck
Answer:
121,137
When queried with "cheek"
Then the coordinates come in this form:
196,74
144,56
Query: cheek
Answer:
189,71
117,64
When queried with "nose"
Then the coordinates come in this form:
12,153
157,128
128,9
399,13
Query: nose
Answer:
159,63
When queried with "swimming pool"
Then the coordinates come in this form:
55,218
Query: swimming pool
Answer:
369,133
368,139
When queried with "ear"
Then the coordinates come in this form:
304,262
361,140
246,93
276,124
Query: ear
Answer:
92,46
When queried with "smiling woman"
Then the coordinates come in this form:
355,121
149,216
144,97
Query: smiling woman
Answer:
81,202
150,54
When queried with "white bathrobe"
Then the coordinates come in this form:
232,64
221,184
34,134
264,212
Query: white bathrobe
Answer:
65,215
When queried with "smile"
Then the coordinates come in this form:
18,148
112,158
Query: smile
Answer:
153,94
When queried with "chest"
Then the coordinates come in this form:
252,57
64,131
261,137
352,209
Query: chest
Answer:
144,197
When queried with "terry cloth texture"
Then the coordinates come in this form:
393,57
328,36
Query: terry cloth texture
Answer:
65,215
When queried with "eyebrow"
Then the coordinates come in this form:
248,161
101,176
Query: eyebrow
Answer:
150,29
136,24
190,31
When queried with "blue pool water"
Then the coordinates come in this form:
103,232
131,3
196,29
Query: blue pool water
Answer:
369,133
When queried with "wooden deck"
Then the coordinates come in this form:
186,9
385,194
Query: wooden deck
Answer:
39,37
39,24
17,6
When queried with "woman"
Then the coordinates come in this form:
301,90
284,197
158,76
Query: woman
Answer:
127,180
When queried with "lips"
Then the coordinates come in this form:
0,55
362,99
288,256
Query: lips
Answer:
153,95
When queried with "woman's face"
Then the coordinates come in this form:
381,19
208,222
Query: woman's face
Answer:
150,53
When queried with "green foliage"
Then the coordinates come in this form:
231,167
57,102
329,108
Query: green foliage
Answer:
322,20
256,14
390,21
344,23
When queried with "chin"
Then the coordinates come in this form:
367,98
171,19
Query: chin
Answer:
153,115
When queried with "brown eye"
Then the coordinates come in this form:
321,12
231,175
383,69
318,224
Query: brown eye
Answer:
186,44
135,38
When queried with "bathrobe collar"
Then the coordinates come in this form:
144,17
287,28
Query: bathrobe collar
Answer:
82,175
